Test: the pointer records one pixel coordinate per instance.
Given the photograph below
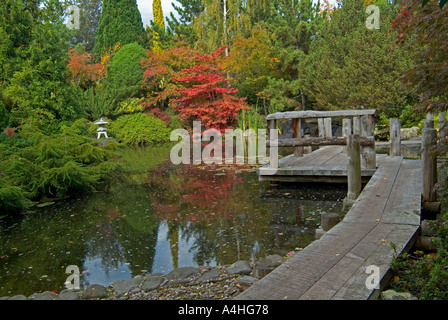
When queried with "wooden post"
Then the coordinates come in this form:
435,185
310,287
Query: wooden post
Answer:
354,167
329,220
297,133
368,130
328,127
346,129
320,126
442,125
429,122
429,164
395,137
308,149
357,125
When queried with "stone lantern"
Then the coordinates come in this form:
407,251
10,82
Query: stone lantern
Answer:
102,128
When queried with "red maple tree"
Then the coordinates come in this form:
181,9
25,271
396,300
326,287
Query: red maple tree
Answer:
83,68
206,95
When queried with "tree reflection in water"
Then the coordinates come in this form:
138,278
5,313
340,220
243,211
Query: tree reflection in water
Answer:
156,216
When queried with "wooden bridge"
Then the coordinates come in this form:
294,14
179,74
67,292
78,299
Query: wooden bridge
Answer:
351,260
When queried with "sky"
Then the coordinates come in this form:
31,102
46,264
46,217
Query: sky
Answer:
145,7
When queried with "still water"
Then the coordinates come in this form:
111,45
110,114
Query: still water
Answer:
156,216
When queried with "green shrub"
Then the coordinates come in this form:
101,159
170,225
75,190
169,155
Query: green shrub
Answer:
125,75
37,166
425,276
139,129
12,199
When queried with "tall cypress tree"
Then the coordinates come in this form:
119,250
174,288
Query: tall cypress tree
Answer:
120,22
158,13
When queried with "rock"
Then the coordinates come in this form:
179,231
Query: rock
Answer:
393,295
246,282
5,298
212,274
319,233
46,295
266,265
240,267
68,294
18,297
152,282
425,244
409,133
275,260
181,275
122,286
105,141
429,228
94,291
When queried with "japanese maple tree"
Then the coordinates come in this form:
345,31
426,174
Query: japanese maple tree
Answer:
205,94
83,68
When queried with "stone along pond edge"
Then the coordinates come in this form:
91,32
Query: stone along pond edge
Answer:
185,283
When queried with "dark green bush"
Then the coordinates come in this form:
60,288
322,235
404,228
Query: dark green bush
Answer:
139,129
36,166
125,75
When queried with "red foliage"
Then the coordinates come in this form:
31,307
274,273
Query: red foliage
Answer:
10,132
159,69
401,22
206,94
160,114
83,69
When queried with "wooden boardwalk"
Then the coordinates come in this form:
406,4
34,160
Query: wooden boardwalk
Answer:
327,164
383,222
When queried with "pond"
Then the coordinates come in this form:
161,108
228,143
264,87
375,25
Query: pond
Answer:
156,216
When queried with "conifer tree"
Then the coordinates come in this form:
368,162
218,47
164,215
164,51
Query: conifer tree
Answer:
350,66
158,25
158,13
187,12
120,22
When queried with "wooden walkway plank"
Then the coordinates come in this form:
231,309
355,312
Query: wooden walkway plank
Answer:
404,206
376,193
334,267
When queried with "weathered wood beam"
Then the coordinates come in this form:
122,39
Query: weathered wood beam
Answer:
320,114
354,184
395,138
297,133
319,142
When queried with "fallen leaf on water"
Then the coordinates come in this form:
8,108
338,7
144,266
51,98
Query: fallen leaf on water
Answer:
383,240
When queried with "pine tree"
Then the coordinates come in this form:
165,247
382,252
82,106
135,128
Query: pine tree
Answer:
120,22
188,12
351,66
90,13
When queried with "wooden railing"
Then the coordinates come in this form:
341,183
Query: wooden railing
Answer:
357,122
358,129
